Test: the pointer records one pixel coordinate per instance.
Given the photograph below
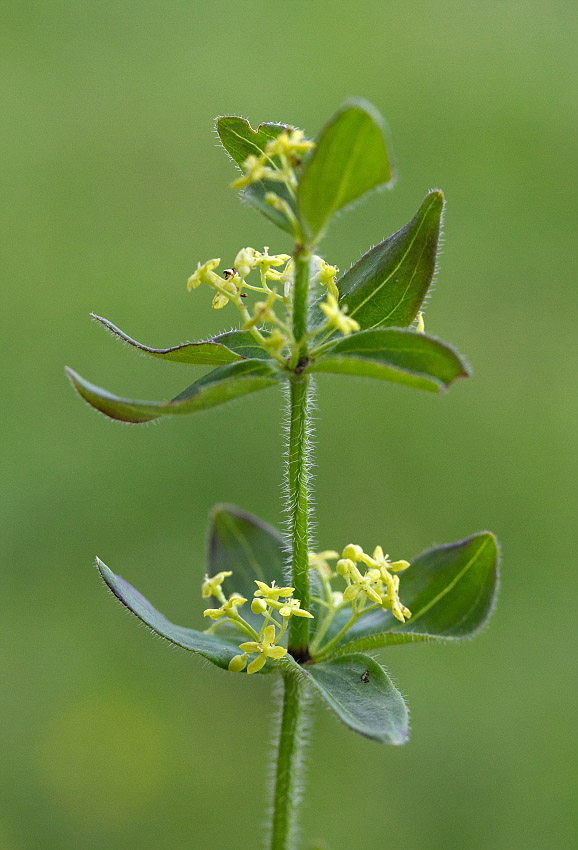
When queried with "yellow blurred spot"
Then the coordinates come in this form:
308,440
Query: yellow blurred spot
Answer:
103,759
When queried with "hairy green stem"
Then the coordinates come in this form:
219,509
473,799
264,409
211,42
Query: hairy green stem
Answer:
293,712
288,763
299,392
299,403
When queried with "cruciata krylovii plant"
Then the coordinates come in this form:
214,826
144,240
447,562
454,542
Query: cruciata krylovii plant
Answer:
273,605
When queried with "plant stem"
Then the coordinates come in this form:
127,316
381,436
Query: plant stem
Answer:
298,510
299,403
293,712
288,763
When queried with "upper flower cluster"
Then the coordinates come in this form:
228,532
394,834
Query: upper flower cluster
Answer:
276,272
289,147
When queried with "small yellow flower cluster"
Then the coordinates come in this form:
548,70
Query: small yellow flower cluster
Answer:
289,146
379,584
267,600
233,285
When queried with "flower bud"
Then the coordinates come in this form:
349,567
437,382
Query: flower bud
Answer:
237,663
258,606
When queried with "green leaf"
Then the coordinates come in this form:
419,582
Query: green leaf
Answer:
387,286
394,354
362,696
450,591
225,348
219,386
241,542
350,159
216,648
240,141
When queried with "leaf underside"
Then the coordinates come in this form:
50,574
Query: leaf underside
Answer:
225,348
251,549
217,649
394,354
221,385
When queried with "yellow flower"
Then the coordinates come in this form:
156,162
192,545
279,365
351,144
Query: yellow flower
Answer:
420,324
227,609
212,584
273,591
292,608
255,169
245,261
326,275
204,274
290,143
265,648
383,562
392,601
265,260
357,583
337,317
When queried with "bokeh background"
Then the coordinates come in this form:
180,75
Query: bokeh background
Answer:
112,189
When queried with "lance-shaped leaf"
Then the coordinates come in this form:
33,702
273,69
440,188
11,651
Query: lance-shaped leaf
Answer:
350,159
387,286
450,591
241,141
219,386
225,348
250,548
219,649
394,354
362,696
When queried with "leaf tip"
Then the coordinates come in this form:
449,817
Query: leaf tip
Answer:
437,195
72,376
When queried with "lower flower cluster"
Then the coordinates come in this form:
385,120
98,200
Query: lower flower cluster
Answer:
371,582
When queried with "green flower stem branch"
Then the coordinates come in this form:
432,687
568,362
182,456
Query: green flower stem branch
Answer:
298,318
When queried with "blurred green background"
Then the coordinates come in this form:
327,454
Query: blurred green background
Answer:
112,188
